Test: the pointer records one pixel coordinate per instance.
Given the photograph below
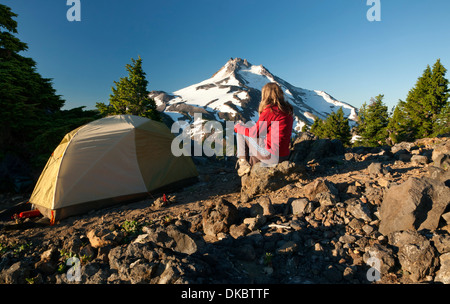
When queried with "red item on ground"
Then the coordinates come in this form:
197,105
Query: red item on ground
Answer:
29,214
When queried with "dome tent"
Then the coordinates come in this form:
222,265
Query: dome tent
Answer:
112,160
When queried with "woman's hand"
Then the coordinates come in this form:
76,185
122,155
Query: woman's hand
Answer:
239,122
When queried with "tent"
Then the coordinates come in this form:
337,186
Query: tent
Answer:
112,160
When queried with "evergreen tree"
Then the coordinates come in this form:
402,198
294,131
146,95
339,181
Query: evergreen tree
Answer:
32,123
337,127
25,96
439,91
373,121
425,101
399,126
442,125
440,103
361,118
305,128
416,106
130,96
317,128
334,127
9,45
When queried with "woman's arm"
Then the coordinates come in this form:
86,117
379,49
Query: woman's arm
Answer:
259,129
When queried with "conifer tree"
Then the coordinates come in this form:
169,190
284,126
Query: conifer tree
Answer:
361,118
417,106
130,95
442,125
32,122
440,103
335,126
399,126
421,113
317,128
26,98
439,91
373,121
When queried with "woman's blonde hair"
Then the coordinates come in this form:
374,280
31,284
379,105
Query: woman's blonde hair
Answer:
272,95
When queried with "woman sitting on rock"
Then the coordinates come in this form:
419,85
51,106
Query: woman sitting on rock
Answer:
268,140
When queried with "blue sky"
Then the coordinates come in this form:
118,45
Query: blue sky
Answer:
324,45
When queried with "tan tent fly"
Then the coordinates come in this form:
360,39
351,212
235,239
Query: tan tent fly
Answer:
108,161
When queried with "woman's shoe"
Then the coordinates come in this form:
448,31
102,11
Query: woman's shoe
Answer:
244,167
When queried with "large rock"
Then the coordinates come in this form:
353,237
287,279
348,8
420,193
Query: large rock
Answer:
16,274
403,146
263,179
416,204
415,253
307,148
218,217
170,275
262,207
101,237
359,210
442,243
443,274
419,159
184,243
301,206
441,154
319,189
385,256
170,237
376,168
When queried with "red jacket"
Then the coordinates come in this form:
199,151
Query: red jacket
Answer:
285,122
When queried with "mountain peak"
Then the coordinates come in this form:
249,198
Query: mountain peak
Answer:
232,65
237,67
238,62
234,92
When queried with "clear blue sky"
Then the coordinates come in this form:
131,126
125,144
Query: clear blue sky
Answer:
324,45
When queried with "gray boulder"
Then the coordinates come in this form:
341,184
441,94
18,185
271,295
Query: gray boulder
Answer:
263,179
442,243
415,253
441,154
170,237
419,160
314,189
16,274
376,168
262,207
301,206
307,148
359,210
218,216
443,274
384,254
416,204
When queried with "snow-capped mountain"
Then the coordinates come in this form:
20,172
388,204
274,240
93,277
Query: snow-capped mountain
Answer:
234,93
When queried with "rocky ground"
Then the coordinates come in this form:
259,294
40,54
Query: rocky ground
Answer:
330,215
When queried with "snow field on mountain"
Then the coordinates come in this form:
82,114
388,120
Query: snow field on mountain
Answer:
237,81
